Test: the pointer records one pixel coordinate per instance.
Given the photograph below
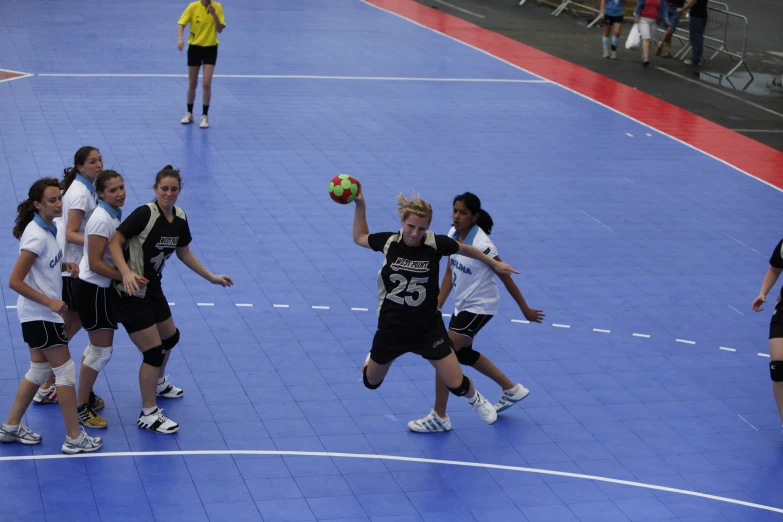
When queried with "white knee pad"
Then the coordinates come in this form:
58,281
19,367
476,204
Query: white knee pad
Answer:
97,358
38,373
65,375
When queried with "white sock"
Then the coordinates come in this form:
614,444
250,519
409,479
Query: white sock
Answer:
472,400
147,411
161,380
10,427
77,439
513,389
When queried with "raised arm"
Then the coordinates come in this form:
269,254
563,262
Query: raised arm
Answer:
361,232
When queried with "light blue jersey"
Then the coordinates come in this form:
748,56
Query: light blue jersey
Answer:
613,8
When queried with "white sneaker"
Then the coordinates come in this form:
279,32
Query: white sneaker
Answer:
605,55
21,434
485,410
48,396
81,444
613,55
432,423
204,124
168,390
511,397
188,118
157,422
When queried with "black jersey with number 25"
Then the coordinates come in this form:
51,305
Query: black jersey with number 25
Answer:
408,281
150,239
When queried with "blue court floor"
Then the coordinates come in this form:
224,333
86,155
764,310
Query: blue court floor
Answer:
644,253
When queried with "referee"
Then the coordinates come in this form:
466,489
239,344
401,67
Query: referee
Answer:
206,21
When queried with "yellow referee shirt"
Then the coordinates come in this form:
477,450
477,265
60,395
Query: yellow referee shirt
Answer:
202,24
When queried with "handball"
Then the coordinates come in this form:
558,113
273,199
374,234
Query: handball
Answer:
343,189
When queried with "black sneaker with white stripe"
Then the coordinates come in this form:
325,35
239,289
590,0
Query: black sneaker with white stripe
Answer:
157,422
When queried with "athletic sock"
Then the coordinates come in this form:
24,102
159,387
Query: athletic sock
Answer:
205,110
190,108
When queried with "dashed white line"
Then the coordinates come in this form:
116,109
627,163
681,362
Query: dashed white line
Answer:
10,306
280,305
172,304
521,321
724,348
629,134
646,336
591,217
205,304
763,354
244,304
561,325
743,244
746,420
360,309
601,330
446,315
735,310
319,307
648,134
685,341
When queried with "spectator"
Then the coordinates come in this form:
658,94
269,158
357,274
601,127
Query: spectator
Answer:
696,26
612,18
672,21
647,13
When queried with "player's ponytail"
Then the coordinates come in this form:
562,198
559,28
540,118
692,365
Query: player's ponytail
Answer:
416,206
26,210
473,204
79,159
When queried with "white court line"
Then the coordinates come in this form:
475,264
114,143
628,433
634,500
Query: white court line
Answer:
629,181
522,321
205,304
172,304
446,315
746,420
743,244
600,330
629,134
460,9
561,325
763,354
244,304
10,306
294,77
646,336
596,478
591,217
724,348
360,309
319,307
281,305
577,93
735,310
685,341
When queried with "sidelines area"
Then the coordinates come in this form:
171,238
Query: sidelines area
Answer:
744,154
397,458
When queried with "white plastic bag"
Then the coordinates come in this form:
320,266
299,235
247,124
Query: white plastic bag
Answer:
634,38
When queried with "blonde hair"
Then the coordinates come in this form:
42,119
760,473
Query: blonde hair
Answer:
417,206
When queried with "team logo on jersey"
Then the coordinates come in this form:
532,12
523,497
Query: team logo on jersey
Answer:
167,242
456,265
54,262
410,266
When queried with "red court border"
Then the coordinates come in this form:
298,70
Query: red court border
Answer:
745,154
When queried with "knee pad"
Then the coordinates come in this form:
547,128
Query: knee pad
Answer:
65,375
171,342
468,356
463,389
154,356
776,371
38,373
367,383
97,358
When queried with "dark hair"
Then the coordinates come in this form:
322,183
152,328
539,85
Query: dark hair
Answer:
26,211
168,172
78,159
103,177
473,203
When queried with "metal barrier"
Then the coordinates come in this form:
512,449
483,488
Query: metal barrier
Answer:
726,33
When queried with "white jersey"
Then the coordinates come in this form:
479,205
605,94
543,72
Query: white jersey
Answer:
79,196
475,288
103,222
44,276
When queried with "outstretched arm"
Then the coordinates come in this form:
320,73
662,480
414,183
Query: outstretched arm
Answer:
531,314
191,261
361,232
498,267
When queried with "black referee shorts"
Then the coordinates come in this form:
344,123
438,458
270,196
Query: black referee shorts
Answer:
198,55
